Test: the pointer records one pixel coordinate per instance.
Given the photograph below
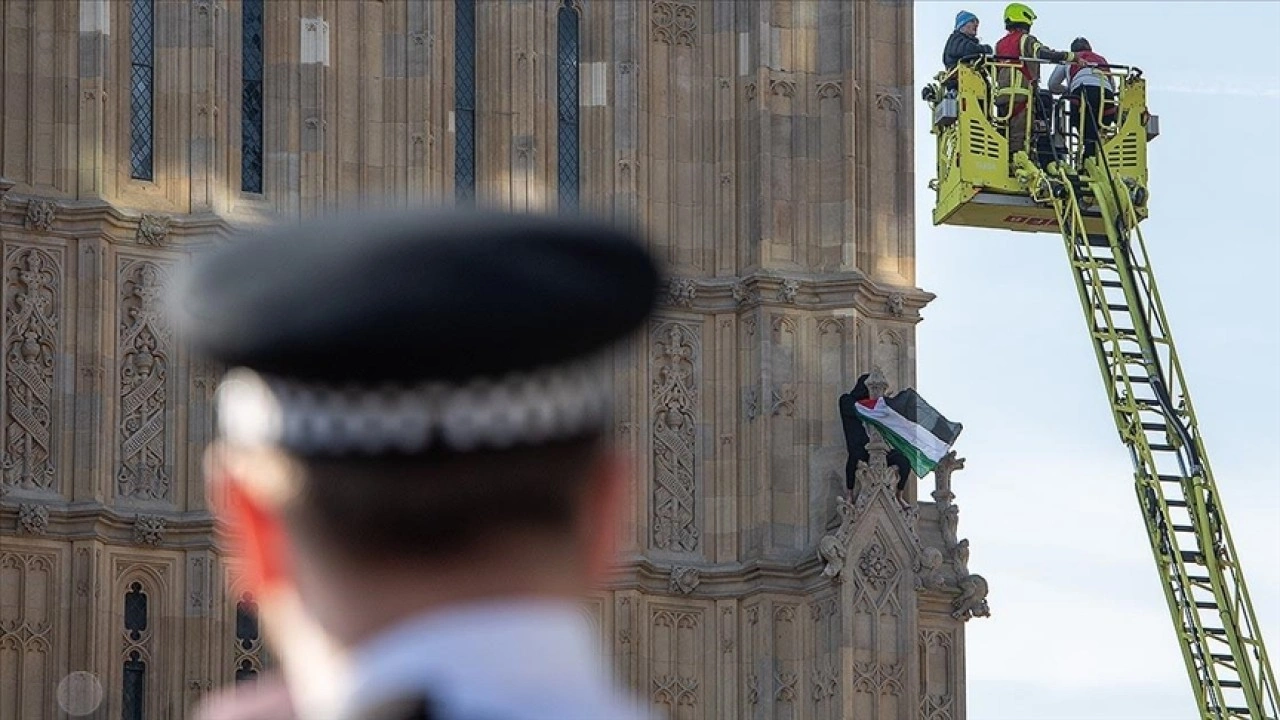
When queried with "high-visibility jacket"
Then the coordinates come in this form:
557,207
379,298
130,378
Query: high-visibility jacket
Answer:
1021,44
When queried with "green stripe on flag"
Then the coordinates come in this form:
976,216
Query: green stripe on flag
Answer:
921,463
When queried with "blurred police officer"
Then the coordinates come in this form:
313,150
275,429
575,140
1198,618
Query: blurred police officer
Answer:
411,466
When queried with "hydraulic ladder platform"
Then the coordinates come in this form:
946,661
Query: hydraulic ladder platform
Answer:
1096,205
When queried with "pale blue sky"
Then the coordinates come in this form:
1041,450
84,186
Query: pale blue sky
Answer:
1079,627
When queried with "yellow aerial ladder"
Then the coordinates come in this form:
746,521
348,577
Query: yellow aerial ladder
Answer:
1096,204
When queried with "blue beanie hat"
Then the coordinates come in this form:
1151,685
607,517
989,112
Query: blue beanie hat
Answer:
964,18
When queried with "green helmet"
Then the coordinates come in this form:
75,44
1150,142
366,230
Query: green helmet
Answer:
1019,13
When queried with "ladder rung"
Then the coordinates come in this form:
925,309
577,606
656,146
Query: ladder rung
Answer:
1176,503
1206,605
1192,556
1230,683
1202,579
1184,528
1169,478
1117,307
1214,631
1111,283
1162,447
1222,657
1238,710
1154,426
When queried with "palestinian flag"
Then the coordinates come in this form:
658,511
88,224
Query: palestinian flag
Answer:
912,427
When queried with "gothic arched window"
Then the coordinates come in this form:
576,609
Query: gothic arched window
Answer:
251,67
248,656
567,54
134,690
464,101
142,32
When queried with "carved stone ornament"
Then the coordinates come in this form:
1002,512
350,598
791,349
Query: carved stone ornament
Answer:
888,99
973,599
896,304
877,566
743,295
681,292
31,339
928,574
40,215
153,230
684,580
33,519
144,347
148,530
674,23
751,403
784,400
833,548
676,354
788,290
876,678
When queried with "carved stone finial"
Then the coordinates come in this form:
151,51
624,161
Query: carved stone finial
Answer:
877,385
148,529
879,451
40,215
153,230
33,519
942,477
949,519
684,579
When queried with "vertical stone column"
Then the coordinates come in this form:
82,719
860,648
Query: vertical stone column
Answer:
312,98
94,36
202,106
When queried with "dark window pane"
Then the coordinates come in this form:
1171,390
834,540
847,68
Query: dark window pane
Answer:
141,89
567,109
246,673
251,97
464,101
246,621
135,611
134,698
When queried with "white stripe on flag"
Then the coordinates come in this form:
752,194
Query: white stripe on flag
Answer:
923,440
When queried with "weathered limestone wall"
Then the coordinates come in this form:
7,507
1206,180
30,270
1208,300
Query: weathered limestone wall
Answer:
765,149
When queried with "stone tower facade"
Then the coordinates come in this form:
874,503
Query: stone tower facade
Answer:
765,149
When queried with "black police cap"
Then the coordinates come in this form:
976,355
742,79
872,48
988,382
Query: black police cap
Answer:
377,334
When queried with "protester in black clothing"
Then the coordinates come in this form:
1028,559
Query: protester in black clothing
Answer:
855,438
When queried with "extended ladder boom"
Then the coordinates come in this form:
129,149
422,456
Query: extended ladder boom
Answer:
1203,583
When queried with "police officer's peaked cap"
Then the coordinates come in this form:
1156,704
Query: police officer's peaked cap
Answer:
417,331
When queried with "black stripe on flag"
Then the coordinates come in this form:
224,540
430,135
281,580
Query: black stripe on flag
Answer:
911,406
